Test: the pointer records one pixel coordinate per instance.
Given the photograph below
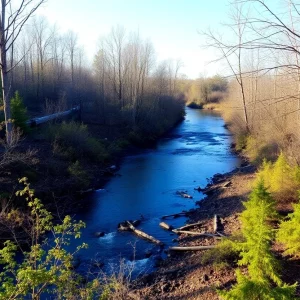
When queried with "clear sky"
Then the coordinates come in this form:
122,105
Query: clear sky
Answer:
171,25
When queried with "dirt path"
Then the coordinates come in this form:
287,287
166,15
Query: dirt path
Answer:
182,275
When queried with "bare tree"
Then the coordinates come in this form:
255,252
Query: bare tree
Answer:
71,47
232,52
14,15
43,37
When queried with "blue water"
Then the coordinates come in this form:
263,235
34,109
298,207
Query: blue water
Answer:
194,151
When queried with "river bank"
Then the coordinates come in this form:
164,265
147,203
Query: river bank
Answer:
150,185
63,175
194,151
183,275
195,275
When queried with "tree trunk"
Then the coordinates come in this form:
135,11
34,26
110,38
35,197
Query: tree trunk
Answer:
4,78
6,98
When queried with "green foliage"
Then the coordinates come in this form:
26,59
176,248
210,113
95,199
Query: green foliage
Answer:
74,141
77,172
44,271
256,290
225,251
289,233
118,145
262,280
252,149
19,112
282,180
255,149
258,233
241,142
206,90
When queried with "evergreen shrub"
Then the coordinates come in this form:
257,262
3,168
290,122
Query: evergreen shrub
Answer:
19,112
262,280
282,179
289,233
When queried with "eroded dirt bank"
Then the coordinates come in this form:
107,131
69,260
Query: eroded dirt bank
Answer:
182,275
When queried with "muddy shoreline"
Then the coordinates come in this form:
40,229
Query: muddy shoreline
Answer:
181,275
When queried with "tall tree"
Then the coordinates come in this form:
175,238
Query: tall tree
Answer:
14,15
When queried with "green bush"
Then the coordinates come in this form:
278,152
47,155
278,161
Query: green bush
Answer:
225,251
289,233
262,280
47,268
118,145
74,141
77,172
282,179
255,149
241,142
40,271
19,112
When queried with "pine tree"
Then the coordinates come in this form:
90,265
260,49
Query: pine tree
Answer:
289,233
19,112
256,253
281,175
282,179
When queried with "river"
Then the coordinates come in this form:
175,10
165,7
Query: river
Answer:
191,153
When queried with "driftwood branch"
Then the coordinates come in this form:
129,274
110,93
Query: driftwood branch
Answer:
190,225
184,213
196,233
192,248
144,235
165,226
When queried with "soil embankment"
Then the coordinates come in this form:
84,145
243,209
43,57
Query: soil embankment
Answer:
183,275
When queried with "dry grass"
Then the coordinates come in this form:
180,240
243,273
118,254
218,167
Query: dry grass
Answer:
272,108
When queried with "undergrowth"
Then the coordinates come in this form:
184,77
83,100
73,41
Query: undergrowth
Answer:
46,269
73,141
262,279
289,233
281,179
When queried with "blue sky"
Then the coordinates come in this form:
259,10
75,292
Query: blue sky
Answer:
171,25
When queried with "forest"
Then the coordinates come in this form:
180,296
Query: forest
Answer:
126,99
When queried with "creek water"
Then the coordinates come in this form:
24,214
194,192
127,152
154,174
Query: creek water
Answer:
184,159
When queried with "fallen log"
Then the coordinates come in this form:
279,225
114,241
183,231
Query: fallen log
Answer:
165,226
37,121
143,234
190,225
197,233
123,226
184,213
192,248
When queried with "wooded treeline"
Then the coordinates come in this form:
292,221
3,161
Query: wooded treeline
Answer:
124,85
262,52
204,90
